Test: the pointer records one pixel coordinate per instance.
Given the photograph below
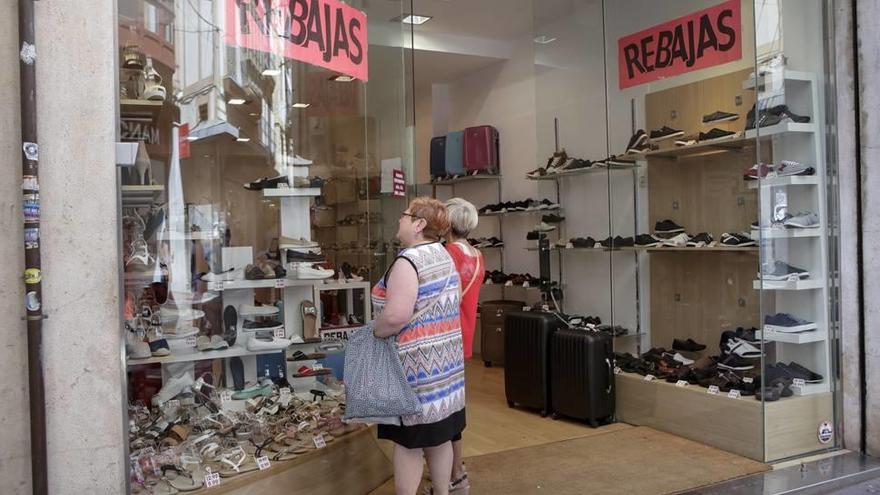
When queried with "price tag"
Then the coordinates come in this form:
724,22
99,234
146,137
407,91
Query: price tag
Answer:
318,366
218,285
319,441
681,383
263,462
798,382
225,396
617,370
279,283
212,479
302,426
713,389
191,342
279,333
793,277
748,379
526,308
733,394
173,404
649,378
545,307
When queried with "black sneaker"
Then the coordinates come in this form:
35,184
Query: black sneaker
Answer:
779,270
297,256
784,112
533,235
795,370
552,218
266,183
579,164
736,240
580,242
617,242
618,161
637,142
700,240
546,204
667,227
734,362
715,134
688,345
665,133
646,240
496,242
719,116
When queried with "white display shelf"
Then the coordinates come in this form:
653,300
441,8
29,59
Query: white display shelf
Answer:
794,180
782,128
788,76
586,171
791,338
466,178
186,236
197,355
811,388
133,196
289,192
777,233
498,214
335,285
808,284
277,283
715,249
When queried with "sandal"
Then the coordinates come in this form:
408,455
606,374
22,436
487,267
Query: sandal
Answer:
181,479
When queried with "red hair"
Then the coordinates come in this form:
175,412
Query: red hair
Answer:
433,212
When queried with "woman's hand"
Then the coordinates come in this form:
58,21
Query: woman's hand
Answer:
402,290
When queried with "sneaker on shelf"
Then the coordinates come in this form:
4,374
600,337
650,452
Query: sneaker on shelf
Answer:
716,134
306,371
802,220
741,348
680,359
495,242
637,142
552,218
646,240
580,242
619,161
667,227
679,240
688,345
557,160
617,242
689,140
267,343
254,272
736,362
719,116
252,310
757,171
266,183
664,133
736,240
136,347
779,270
784,112
158,344
786,323
578,164
349,273
750,335
301,243
566,166
795,370
261,326
546,204
562,244
294,256
304,182
789,168
537,173
308,271
702,239
298,161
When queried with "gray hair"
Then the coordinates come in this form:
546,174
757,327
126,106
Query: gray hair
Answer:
462,216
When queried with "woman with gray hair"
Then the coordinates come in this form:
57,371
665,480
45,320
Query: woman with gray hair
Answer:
468,261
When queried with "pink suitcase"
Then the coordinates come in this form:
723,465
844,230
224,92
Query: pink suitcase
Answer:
480,149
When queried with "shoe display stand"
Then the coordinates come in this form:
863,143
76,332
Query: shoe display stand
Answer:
699,292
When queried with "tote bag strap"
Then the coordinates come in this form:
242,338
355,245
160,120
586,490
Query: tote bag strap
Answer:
478,270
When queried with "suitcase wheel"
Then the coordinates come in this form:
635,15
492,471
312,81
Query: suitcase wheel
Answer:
487,364
554,416
594,423
510,403
543,413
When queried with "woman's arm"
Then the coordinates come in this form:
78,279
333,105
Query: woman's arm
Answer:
402,289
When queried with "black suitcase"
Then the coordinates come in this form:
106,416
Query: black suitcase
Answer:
526,355
492,315
438,157
582,375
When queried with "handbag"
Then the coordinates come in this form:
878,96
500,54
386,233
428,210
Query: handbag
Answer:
376,390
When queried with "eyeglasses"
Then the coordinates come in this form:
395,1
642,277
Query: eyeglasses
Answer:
405,214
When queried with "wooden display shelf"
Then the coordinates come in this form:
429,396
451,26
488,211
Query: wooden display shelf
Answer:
587,170
498,214
796,180
466,178
734,425
739,142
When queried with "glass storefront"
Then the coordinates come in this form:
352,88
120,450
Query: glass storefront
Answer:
670,157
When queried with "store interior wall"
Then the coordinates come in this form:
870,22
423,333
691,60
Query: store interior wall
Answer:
15,468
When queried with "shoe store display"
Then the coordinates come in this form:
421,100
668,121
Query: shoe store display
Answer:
665,133
702,239
802,220
679,240
719,116
646,240
737,240
637,142
786,323
779,270
717,134
667,227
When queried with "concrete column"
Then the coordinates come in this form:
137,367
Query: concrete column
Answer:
868,18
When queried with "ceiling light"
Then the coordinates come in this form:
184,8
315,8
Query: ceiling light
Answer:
342,78
243,139
543,40
237,101
271,72
412,19
301,105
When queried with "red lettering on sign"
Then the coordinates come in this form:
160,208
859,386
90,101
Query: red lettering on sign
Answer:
696,41
326,33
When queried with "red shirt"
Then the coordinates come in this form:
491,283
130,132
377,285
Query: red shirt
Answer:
471,269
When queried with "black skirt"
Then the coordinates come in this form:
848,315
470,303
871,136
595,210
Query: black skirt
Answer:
428,435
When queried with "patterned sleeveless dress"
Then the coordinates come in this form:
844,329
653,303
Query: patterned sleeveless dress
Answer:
430,349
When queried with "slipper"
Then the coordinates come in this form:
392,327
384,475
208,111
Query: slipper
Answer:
305,371
285,454
163,487
230,324
235,463
218,344
183,480
301,356
310,320
203,343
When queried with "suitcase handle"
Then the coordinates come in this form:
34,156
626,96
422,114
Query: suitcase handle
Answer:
610,376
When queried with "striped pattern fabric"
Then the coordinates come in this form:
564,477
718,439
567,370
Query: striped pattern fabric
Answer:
430,346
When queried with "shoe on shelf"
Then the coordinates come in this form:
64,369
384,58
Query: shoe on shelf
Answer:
580,242
667,227
802,220
702,239
741,348
719,116
688,345
537,173
264,310
264,325
757,171
301,243
790,168
786,323
556,161
262,389
619,161
679,240
637,142
294,256
779,270
267,343
546,204
578,164
795,370
266,183
158,344
136,347
665,133
544,227
646,240
735,362
225,276
689,140
552,218
716,134
298,161
308,271
736,240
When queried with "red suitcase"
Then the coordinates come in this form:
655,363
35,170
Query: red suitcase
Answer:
480,149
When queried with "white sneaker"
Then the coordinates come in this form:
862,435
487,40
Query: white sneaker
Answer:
171,388
741,348
299,161
251,310
267,343
227,276
174,315
181,332
679,240
544,227
136,348
308,271
804,220
683,360
290,243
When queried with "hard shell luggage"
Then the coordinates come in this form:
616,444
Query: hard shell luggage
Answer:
454,162
492,315
582,375
527,355
438,156
480,149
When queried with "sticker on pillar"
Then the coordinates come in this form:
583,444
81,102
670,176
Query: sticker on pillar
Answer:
32,238
32,301
31,151
31,208
32,276
28,53
826,432
30,183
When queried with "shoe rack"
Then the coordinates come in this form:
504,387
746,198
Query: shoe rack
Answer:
698,293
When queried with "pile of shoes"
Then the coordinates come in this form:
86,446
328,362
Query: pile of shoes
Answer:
514,206
785,168
497,277
484,242
560,163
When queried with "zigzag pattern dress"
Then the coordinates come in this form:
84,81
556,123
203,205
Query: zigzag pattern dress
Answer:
430,349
